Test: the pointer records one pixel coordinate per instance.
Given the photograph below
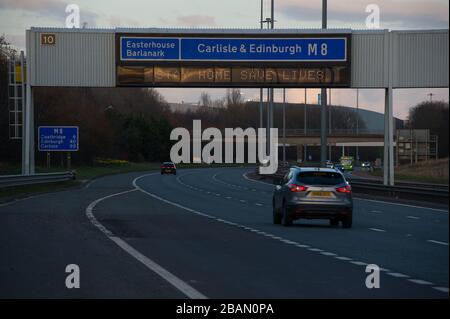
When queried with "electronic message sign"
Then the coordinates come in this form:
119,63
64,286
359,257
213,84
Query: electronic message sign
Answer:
319,60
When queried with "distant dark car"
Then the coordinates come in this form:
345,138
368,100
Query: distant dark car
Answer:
313,193
366,165
168,168
329,164
339,167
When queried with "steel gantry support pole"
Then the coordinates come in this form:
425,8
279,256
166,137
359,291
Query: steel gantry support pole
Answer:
388,164
28,118
22,64
391,137
323,101
304,129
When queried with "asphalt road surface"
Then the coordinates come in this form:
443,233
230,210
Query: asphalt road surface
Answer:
208,233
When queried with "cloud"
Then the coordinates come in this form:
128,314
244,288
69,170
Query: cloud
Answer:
52,9
115,21
17,41
402,14
196,20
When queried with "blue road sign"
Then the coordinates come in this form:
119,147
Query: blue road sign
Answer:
319,49
326,49
142,48
58,138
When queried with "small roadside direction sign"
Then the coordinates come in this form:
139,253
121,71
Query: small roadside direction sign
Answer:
58,138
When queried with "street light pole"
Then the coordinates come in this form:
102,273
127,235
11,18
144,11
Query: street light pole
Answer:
357,122
284,126
329,123
261,90
269,110
304,129
323,100
272,25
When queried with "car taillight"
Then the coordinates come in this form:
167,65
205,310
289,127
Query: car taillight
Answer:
297,188
344,189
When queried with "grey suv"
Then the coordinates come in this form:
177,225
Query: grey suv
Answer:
313,193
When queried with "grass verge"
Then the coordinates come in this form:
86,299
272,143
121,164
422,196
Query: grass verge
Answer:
433,172
87,173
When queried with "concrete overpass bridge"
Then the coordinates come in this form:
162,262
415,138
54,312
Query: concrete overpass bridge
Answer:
340,137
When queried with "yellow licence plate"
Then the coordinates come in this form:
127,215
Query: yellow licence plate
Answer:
321,194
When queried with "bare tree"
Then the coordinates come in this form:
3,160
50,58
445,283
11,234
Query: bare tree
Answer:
205,100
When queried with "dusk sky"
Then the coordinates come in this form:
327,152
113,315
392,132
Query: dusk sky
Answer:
18,15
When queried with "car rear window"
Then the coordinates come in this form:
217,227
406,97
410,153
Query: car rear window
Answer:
320,178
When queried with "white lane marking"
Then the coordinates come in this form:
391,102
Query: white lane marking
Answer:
242,200
262,233
255,181
343,258
238,225
315,250
399,204
287,241
179,284
376,211
442,289
420,282
412,217
228,197
397,275
326,253
378,230
358,263
437,242
89,184
258,204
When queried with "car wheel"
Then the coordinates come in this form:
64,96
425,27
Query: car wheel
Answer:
347,221
162,173
334,222
285,219
276,216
